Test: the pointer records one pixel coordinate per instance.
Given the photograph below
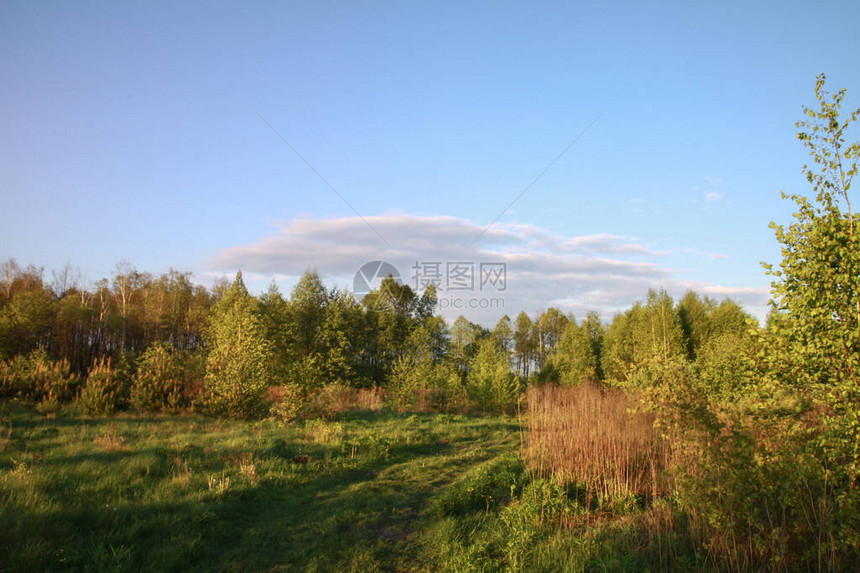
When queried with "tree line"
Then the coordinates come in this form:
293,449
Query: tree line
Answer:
225,340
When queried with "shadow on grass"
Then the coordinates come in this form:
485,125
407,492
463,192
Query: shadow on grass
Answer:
272,502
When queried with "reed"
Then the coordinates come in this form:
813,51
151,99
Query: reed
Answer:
592,438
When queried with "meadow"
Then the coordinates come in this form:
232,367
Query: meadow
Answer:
365,491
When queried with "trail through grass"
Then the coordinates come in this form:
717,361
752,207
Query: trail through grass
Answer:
366,492
168,493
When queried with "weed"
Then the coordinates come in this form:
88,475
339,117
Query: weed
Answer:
110,440
248,467
218,484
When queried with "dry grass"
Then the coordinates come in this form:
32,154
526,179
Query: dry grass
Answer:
110,440
590,437
370,399
248,467
180,470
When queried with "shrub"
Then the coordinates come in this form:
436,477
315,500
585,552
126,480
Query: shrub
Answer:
287,401
331,400
36,377
753,475
371,399
490,383
106,389
307,372
8,380
159,382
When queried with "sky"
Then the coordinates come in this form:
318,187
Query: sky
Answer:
559,154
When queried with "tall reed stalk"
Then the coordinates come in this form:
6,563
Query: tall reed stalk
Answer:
591,438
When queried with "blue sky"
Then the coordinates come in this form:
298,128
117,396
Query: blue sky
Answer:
131,131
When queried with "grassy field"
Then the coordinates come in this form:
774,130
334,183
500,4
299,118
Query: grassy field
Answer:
366,492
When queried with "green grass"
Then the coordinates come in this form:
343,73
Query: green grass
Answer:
367,492
173,493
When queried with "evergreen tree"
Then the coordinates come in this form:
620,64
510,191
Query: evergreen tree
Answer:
238,369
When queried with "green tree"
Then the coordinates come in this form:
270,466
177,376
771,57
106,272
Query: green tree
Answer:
769,458
158,383
694,314
642,341
490,383
342,339
26,310
549,327
106,389
525,344
818,283
575,360
421,377
308,301
504,334
465,336
238,369
425,306
814,345
275,315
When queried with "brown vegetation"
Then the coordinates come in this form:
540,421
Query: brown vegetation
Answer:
591,437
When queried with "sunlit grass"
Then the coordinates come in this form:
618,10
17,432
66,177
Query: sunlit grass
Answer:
367,491
171,493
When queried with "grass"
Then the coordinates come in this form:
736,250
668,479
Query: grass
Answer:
368,491
176,493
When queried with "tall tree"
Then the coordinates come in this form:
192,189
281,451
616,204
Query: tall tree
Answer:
238,369
550,327
504,335
577,358
694,314
642,340
307,301
818,283
275,316
525,344
465,336
425,305
490,382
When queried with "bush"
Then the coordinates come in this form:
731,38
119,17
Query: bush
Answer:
36,377
753,475
8,380
423,386
288,401
331,400
106,389
158,384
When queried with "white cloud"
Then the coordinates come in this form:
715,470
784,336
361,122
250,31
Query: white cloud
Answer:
688,251
577,273
712,197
